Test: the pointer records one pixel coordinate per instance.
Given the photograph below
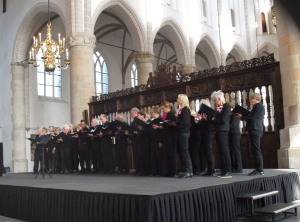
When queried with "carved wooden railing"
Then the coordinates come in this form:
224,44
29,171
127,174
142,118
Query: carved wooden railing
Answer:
237,81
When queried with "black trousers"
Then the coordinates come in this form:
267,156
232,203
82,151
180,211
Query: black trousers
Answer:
39,160
52,159
168,154
183,150
108,155
65,158
206,144
121,154
255,139
74,157
196,153
84,156
142,154
155,157
235,151
95,154
223,144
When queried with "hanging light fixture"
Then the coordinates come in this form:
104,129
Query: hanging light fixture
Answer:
52,52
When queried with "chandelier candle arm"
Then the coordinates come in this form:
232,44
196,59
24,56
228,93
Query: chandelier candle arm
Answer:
50,49
67,54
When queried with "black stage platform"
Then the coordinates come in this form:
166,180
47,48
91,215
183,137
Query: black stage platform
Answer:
114,198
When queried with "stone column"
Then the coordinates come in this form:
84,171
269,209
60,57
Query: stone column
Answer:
188,68
144,63
82,74
19,119
289,56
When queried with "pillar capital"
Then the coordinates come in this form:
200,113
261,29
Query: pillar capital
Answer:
144,62
82,39
144,57
22,64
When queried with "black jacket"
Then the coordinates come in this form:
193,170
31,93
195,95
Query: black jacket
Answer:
222,119
235,125
83,136
183,123
139,127
255,120
66,140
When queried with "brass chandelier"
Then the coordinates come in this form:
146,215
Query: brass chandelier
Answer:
52,52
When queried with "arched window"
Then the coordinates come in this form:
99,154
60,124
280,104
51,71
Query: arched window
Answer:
48,83
133,75
101,74
232,13
263,22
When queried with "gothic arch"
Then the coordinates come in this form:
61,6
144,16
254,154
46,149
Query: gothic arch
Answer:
237,54
174,34
207,52
127,15
268,48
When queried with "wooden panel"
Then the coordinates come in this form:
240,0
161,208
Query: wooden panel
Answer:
126,103
149,99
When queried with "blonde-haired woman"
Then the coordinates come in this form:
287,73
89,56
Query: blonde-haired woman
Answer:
183,133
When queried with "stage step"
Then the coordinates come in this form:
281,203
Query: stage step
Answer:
251,197
275,209
258,195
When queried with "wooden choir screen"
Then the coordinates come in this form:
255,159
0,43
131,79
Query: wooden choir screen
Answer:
238,80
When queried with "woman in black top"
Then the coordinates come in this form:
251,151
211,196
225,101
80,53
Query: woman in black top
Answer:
141,142
205,138
169,139
235,145
183,126
222,126
255,128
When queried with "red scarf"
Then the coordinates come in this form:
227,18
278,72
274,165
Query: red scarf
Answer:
164,116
